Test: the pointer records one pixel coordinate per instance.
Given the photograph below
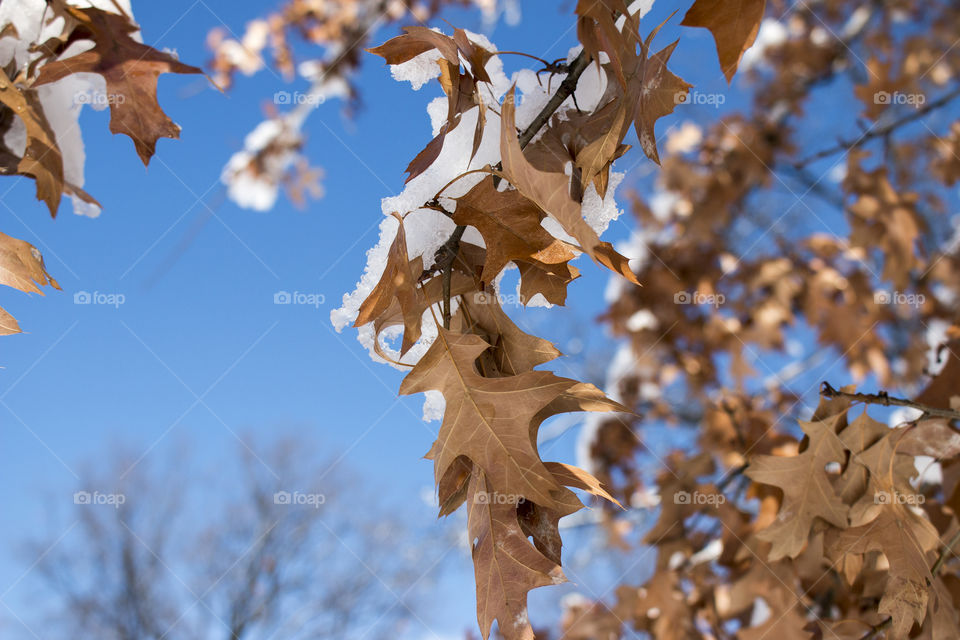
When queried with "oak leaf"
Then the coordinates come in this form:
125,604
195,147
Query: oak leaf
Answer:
548,280
414,41
131,70
487,419
734,25
41,159
905,539
21,267
807,491
512,351
398,282
506,565
510,226
862,434
656,92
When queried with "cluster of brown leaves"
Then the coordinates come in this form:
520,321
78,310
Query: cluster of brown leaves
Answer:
482,363
841,546
130,70
840,237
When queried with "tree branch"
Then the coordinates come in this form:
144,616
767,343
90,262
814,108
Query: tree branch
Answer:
567,87
881,132
886,400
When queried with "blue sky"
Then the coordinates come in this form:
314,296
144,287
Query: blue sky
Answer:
201,354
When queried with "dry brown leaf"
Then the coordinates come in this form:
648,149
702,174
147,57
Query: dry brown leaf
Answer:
398,282
658,92
905,539
131,70
513,351
548,280
510,226
734,25
807,491
413,42
21,267
506,565
42,159
487,419
551,192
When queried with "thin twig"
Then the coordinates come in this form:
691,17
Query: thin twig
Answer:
567,87
449,252
947,550
887,400
881,132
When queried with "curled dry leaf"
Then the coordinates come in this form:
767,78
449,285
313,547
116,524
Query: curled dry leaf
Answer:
21,267
551,192
511,229
506,565
41,160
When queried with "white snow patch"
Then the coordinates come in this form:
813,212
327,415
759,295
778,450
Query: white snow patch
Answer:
708,554
642,319
600,212
419,70
772,34
936,337
928,469
761,612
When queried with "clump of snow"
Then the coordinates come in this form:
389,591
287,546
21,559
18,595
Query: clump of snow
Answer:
254,185
638,8
684,139
928,469
761,612
857,20
709,553
437,110
902,415
600,212
419,70
453,160
245,53
254,174
641,320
